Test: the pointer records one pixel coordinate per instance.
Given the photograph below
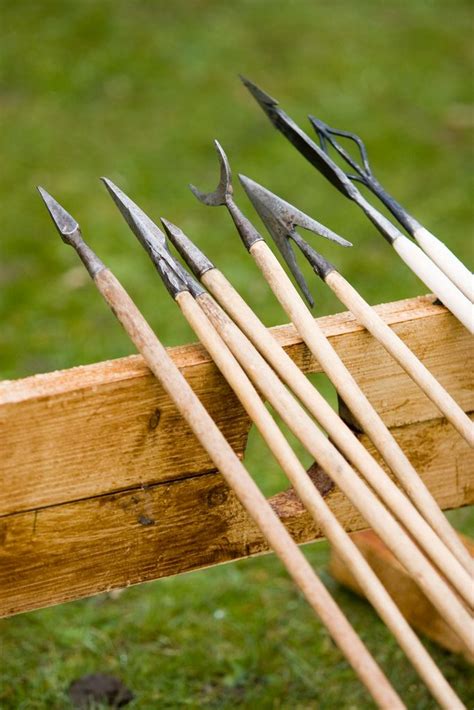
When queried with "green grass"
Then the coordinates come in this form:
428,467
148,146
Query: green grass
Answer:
137,91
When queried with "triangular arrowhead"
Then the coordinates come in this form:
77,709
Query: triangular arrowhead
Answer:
64,222
272,208
132,213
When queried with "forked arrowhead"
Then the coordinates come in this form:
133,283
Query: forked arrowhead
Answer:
302,142
280,219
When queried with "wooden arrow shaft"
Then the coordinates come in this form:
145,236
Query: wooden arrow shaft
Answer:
446,261
355,399
315,504
246,490
334,464
436,280
340,433
394,345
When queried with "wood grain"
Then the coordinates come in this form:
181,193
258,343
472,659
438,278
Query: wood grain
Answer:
103,438
107,427
82,548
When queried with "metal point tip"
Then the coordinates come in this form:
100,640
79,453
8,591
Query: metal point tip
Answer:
111,187
119,197
222,155
201,196
64,222
70,233
192,255
226,173
125,206
317,122
174,233
264,99
170,228
245,181
108,183
147,232
151,238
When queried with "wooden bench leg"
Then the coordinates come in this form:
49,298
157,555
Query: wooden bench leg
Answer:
414,605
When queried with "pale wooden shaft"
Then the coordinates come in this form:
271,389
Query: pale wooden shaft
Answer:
427,271
315,504
446,261
354,398
334,464
402,354
340,433
246,490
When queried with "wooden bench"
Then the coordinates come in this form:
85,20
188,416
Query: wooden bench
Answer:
104,486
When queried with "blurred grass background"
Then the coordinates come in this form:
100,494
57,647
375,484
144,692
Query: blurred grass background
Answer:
138,91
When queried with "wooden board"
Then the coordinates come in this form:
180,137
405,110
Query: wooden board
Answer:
102,485
109,427
85,547
416,608
97,439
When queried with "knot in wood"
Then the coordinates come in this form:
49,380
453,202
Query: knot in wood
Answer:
154,420
217,496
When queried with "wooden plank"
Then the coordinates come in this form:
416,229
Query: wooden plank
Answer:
108,427
413,604
436,447
99,439
81,548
